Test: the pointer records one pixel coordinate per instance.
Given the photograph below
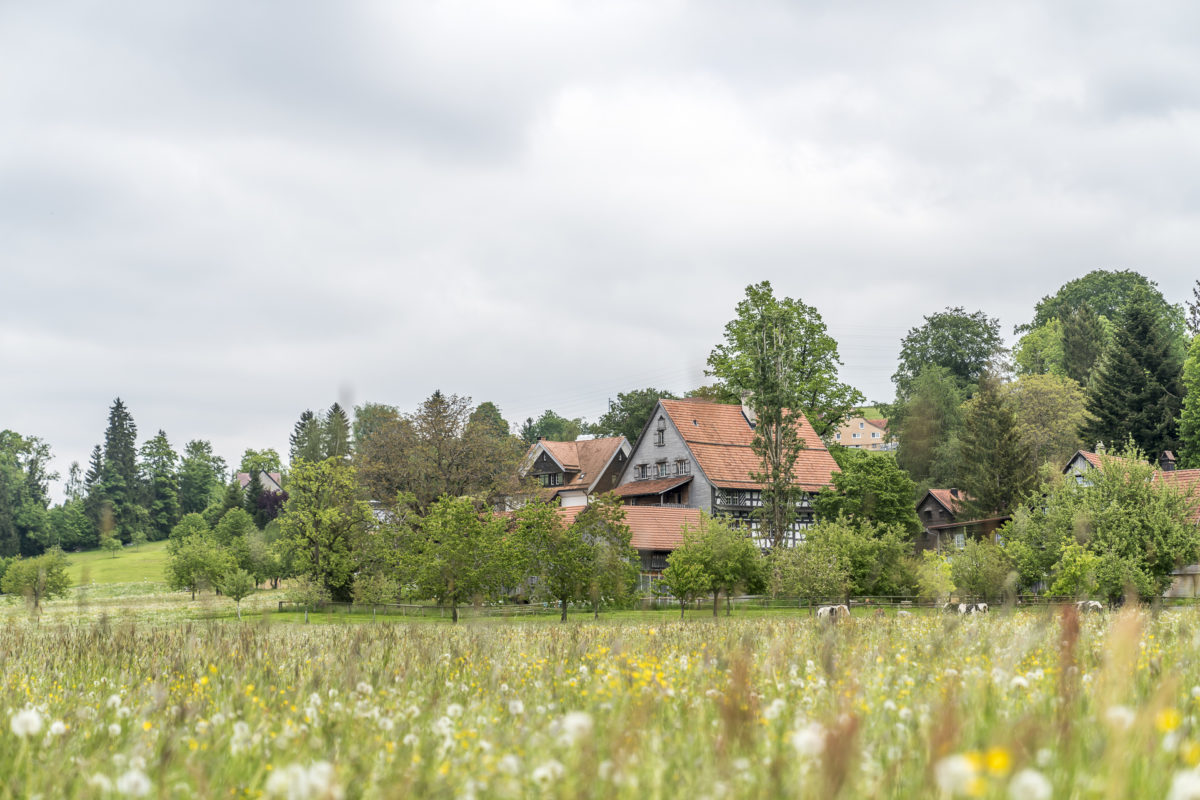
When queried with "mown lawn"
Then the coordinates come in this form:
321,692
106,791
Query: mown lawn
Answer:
143,565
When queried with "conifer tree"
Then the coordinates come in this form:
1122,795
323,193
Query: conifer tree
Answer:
1137,389
200,476
336,432
1189,422
1083,337
306,440
120,488
162,484
997,469
254,492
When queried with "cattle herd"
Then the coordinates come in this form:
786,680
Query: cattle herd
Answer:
836,613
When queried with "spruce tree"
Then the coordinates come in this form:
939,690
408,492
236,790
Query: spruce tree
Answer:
1189,421
200,475
253,495
120,485
336,433
160,475
1082,341
1137,389
996,470
306,440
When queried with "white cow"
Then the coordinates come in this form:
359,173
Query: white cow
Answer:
833,613
972,608
1088,606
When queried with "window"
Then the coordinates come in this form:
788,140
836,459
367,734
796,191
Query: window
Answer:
874,434
551,479
639,471
856,435
660,438
682,467
837,436
861,426
959,541
660,469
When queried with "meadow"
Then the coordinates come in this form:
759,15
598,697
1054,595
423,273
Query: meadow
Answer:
1024,704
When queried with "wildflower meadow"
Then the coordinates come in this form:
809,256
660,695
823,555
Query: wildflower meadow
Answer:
1020,704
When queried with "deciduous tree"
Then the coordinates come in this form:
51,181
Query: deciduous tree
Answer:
1049,410
963,344
869,486
37,578
1189,420
238,585
627,415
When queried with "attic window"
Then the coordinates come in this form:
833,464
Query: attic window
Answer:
696,423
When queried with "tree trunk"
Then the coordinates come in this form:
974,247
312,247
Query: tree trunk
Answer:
454,612
563,618
728,605
595,611
716,601
681,608
306,613
239,608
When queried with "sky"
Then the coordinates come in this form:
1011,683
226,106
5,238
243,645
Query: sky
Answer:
226,213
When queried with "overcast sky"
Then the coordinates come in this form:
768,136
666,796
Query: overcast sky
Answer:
228,212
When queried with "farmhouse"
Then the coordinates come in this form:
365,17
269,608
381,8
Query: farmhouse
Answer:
570,472
697,455
940,512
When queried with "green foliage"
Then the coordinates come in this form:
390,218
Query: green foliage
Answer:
307,440
1137,389
325,524
308,592
1049,410
812,569
1189,420
252,495
982,569
190,525
926,423
997,469
160,476
874,558
488,416
238,585
24,494
778,355
1084,336
1138,526
232,497
370,418
727,557
114,498
1193,311
335,433
110,544
234,527
615,565
70,528
201,476
458,554
1076,572
374,588
960,343
869,486
628,414
1041,351
559,556
1106,293
197,562
935,580
265,460
552,426
38,578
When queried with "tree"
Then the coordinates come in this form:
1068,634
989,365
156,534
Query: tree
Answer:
73,490
110,543
869,486
70,528
370,418
926,423
728,557
1041,351
614,565
1193,307
1138,524
253,495
961,343
233,497
310,593
325,522
336,432
1106,293
24,493
265,460
1083,338
552,426
373,589
160,476
778,355
1189,420
558,554
686,576
197,562
935,581
1137,390
1049,410
439,451
190,525
307,439
997,470
457,553
119,489
234,527
981,569
813,569
37,578
875,558
488,416
237,585
201,476
627,415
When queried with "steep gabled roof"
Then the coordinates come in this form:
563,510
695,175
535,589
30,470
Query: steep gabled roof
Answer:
267,479
1188,482
949,502
587,459
719,437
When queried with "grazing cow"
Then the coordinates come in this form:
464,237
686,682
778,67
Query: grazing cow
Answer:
833,613
972,608
1088,606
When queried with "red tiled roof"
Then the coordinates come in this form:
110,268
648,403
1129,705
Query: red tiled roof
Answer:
719,437
651,527
243,478
878,423
953,504
585,458
1187,481
658,486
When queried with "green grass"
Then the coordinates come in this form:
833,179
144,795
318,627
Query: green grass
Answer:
143,565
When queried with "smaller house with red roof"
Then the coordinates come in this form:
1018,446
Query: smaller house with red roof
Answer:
570,472
940,512
861,433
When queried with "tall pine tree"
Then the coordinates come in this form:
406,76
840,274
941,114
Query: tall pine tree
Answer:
306,442
120,486
336,433
997,470
161,479
1083,339
200,477
1137,389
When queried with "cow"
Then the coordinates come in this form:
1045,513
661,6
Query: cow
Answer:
969,608
1088,606
833,614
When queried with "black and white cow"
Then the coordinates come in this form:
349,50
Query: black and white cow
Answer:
1089,606
832,614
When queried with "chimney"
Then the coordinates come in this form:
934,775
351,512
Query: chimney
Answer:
954,493
1166,462
1099,448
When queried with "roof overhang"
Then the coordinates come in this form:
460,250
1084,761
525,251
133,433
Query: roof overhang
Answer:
651,487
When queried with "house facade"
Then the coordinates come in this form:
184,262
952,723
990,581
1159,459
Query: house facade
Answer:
570,472
271,481
941,512
697,455
860,433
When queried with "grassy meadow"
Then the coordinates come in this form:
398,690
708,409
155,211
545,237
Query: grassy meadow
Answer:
130,565
1022,704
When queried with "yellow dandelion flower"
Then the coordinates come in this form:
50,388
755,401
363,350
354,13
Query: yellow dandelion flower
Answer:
1168,720
998,760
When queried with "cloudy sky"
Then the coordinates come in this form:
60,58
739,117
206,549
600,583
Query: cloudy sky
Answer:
228,212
